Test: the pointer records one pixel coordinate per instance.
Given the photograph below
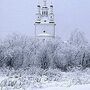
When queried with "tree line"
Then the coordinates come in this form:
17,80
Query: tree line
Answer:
19,51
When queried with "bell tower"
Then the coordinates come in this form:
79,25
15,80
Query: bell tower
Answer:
44,23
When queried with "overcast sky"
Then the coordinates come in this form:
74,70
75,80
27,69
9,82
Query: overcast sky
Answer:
19,16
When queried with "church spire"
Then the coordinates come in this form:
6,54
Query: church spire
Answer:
51,8
45,2
51,15
38,12
44,24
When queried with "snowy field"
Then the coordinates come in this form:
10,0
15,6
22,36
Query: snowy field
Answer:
45,80
77,87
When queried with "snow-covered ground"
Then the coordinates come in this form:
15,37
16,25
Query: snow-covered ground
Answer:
77,87
45,80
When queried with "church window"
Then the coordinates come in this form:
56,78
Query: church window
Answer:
44,31
51,16
44,20
47,13
43,40
44,12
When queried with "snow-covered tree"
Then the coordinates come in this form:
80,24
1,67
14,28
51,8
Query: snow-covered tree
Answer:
80,44
77,38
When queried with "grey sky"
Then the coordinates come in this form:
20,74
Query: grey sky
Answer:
19,15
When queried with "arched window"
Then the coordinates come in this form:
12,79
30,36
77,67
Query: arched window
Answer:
44,13
51,16
44,20
44,31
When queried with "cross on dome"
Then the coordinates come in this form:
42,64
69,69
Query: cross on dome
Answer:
44,2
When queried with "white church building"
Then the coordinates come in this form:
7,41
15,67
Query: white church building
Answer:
44,23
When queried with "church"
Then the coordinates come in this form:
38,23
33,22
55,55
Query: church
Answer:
44,23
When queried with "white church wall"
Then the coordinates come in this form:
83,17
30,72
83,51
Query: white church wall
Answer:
45,29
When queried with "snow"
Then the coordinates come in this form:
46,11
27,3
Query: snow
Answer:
50,81
44,34
77,87
47,80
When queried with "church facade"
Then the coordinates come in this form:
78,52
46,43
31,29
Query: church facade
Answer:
44,23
